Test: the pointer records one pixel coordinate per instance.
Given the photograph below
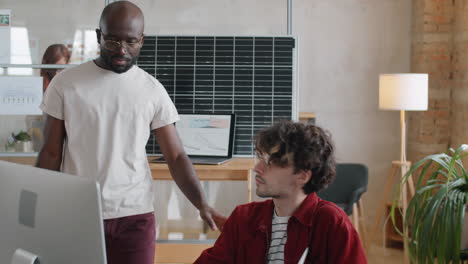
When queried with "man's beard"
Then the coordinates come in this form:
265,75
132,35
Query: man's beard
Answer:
266,194
107,58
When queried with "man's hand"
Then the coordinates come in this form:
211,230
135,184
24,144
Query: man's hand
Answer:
50,156
213,218
184,175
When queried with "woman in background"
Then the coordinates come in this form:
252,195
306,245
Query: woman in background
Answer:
54,54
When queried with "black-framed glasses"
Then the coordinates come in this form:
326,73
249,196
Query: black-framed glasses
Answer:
114,45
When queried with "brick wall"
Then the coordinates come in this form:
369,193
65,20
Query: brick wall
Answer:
459,102
439,47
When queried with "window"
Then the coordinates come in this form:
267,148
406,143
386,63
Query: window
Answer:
85,46
20,51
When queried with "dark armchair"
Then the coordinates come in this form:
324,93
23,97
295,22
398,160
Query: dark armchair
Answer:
346,191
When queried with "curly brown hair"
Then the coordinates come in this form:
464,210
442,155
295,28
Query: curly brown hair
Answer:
305,147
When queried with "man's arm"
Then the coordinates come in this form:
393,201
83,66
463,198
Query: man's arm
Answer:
224,251
184,174
50,156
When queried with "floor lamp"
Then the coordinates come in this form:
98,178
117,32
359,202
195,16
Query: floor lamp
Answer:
401,92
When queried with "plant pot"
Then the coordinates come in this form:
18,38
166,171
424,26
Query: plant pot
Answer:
24,146
10,147
464,240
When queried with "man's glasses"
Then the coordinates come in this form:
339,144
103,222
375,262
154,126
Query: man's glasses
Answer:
113,45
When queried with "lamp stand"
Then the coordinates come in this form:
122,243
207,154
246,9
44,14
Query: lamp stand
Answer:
402,136
397,172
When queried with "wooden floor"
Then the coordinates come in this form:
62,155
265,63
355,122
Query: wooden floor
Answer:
377,254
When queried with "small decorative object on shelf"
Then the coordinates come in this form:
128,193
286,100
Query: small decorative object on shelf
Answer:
10,145
23,142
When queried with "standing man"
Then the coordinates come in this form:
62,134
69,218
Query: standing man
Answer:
295,226
99,116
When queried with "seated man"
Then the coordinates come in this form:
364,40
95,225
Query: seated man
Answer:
296,226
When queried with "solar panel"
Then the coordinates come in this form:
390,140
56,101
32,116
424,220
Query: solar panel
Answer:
249,76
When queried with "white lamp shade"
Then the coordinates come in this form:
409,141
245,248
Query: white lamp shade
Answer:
403,91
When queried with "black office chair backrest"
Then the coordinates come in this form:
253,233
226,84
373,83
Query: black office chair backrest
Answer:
350,183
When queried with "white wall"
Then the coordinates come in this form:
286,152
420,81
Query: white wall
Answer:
343,46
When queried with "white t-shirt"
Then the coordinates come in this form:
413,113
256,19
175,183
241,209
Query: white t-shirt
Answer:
108,117
279,236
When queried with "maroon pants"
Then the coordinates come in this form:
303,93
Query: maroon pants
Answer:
130,239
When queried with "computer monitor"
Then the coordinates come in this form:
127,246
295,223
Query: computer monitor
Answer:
49,214
208,135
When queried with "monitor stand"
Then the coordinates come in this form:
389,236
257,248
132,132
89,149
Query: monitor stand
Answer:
22,256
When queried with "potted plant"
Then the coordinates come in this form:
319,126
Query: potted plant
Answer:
23,142
434,220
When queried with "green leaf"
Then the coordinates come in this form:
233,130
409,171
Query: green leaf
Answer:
434,216
22,136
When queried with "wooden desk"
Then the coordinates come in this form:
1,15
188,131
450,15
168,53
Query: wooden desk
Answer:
30,160
237,169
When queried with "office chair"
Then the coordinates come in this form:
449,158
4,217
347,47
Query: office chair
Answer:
346,191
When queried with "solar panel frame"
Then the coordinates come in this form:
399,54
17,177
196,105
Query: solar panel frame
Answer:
251,76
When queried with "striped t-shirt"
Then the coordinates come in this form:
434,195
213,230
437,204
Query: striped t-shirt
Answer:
278,239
